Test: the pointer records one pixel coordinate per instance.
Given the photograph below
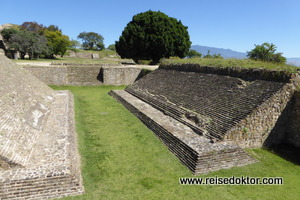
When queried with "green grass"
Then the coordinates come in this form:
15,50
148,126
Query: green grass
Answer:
244,63
122,159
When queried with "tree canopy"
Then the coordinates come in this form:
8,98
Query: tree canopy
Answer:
26,42
112,47
57,42
153,35
35,40
91,40
266,52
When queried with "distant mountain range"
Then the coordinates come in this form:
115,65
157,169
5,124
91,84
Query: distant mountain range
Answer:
228,53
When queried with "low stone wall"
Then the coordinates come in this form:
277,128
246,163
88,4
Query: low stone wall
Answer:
120,76
49,75
88,75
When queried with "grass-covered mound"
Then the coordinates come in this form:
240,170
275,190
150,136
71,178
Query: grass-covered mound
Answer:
232,63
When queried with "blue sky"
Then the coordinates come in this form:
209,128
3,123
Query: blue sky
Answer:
232,24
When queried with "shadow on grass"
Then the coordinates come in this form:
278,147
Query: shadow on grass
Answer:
288,152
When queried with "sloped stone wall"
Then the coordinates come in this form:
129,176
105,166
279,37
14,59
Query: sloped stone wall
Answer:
38,147
293,129
210,104
253,130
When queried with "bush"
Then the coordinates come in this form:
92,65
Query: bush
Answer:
266,52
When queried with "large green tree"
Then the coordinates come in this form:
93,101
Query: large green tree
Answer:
266,52
91,40
153,35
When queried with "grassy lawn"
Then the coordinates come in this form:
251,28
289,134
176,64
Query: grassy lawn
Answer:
122,159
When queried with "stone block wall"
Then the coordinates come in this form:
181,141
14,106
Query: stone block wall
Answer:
83,55
53,75
86,75
53,170
86,55
120,76
255,129
293,130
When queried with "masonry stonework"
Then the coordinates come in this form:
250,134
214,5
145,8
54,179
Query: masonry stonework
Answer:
86,75
39,157
253,130
293,129
222,109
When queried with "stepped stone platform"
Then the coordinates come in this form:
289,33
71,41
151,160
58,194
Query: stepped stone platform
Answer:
193,150
206,115
38,146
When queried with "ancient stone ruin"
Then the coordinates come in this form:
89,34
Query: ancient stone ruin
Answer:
38,148
206,115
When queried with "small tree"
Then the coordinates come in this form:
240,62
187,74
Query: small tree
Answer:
57,43
193,53
111,47
74,44
266,52
7,33
91,40
153,35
